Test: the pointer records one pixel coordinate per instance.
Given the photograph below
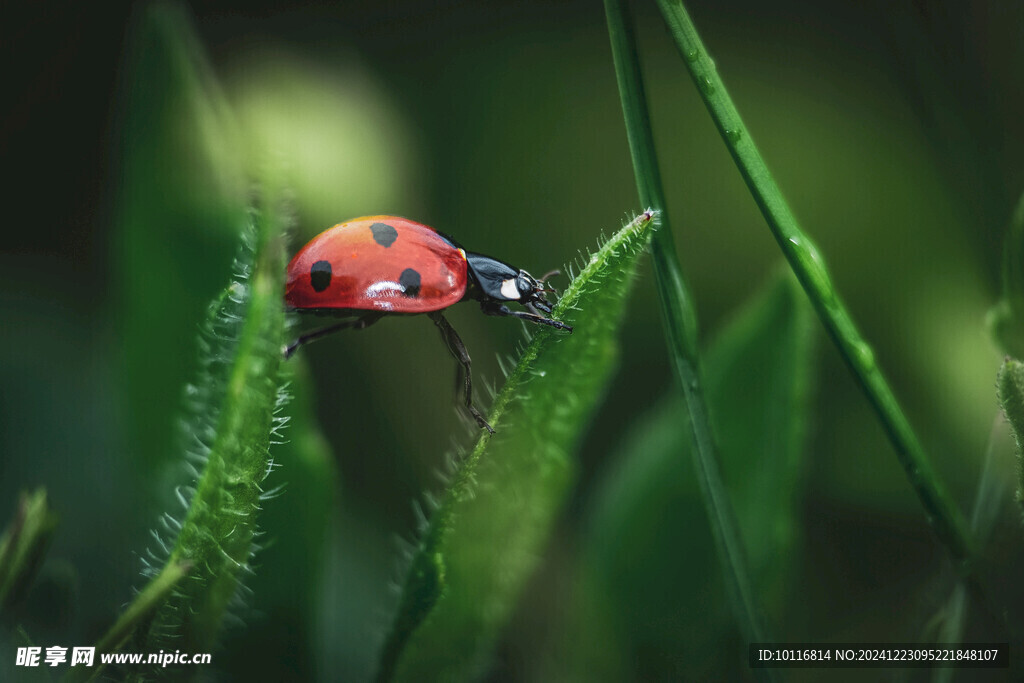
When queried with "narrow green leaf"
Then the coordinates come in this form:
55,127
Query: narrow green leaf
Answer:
483,540
1010,385
1006,319
679,315
233,421
674,624
23,547
809,266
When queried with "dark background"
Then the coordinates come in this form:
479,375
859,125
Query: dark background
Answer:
895,133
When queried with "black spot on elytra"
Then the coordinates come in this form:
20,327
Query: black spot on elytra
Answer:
384,234
320,275
410,280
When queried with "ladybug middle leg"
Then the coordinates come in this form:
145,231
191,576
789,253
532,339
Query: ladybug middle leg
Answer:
359,323
458,349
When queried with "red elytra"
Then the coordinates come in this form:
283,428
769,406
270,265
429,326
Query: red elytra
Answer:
378,263
369,267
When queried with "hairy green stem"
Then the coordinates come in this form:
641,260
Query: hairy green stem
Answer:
487,533
233,405
680,321
805,260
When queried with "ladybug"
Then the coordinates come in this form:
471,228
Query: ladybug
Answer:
370,267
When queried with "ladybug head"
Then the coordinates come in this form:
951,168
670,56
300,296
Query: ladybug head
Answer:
531,290
499,281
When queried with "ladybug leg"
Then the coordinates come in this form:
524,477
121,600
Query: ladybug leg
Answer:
494,308
359,323
458,349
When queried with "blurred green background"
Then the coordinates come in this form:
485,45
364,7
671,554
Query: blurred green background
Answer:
895,133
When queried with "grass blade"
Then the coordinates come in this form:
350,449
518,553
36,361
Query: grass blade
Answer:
806,261
484,538
680,322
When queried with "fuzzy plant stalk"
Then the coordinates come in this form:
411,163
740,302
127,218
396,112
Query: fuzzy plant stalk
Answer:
807,263
231,425
487,530
680,323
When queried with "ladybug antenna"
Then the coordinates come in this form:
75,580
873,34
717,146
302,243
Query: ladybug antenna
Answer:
551,273
543,281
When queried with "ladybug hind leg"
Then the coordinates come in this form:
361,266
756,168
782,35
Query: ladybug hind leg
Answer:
458,350
358,323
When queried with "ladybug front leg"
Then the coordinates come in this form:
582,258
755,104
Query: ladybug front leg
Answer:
359,323
494,308
458,349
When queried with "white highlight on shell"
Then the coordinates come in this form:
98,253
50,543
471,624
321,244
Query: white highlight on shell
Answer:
385,288
381,294
509,289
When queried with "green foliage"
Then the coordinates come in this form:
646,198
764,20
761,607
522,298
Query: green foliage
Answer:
23,547
644,510
644,598
482,541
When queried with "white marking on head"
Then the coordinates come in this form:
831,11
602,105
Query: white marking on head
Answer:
509,289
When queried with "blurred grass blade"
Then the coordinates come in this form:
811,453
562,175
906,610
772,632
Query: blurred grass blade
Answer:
988,503
233,421
23,547
140,610
1010,385
679,317
180,191
672,623
144,604
805,260
760,371
1006,319
483,540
